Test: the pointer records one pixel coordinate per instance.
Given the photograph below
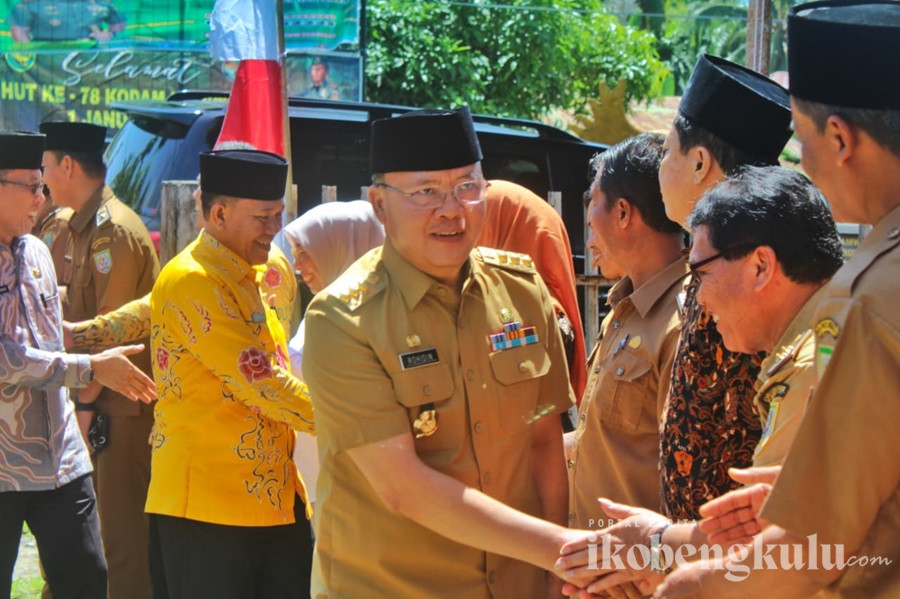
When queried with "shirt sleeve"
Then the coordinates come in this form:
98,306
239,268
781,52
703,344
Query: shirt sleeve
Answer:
120,285
354,397
208,322
31,367
842,466
128,324
556,395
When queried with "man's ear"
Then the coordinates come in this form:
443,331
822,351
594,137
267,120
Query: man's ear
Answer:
842,138
376,198
704,164
765,265
217,215
623,213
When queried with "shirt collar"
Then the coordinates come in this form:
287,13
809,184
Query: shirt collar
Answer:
412,282
81,218
786,345
210,250
646,296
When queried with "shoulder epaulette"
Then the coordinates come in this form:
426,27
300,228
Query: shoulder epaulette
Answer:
508,260
357,285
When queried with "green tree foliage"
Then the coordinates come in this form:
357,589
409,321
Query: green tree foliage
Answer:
521,58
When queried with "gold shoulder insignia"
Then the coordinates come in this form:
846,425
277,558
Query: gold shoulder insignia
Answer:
103,216
357,285
504,259
775,393
827,326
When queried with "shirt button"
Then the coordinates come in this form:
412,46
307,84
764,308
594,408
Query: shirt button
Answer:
583,417
620,370
570,464
523,366
616,324
596,369
426,389
479,427
470,374
442,291
571,517
894,233
487,478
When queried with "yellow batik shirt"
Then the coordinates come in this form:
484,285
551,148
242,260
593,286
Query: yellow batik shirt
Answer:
228,405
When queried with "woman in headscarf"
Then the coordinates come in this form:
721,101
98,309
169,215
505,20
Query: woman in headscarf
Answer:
517,220
325,240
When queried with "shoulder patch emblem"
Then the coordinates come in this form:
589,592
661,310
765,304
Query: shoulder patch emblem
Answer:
827,326
775,393
103,216
504,259
103,261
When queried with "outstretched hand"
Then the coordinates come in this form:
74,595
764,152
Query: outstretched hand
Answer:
114,370
734,518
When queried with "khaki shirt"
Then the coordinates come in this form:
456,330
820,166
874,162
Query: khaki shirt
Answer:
53,230
616,451
109,261
840,479
786,382
384,344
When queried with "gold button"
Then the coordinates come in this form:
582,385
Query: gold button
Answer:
570,464
571,517
616,324
583,417
523,366
487,477
596,369
470,374
894,233
427,389
620,370
479,427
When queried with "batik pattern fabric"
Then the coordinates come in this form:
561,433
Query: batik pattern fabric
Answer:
228,404
710,422
40,445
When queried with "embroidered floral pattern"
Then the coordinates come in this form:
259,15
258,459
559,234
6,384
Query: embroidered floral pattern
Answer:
162,359
272,277
254,364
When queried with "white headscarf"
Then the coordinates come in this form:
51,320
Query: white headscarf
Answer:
335,235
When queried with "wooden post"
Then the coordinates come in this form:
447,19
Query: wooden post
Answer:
554,198
759,35
329,193
364,193
177,219
591,292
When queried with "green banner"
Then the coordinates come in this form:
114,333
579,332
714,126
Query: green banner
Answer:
162,24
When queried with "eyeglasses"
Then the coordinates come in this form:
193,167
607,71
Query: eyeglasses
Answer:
468,193
742,248
34,188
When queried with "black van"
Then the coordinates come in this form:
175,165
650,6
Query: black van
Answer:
330,146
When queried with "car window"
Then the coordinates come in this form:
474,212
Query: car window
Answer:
140,157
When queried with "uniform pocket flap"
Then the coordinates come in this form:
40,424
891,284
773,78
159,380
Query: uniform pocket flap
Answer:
422,385
519,364
626,366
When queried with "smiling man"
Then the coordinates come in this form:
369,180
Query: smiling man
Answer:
224,493
437,371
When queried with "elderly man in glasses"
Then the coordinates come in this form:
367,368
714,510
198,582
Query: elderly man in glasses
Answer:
437,373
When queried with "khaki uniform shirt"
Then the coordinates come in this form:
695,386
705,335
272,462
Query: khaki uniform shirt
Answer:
53,230
786,382
109,261
840,478
385,343
616,450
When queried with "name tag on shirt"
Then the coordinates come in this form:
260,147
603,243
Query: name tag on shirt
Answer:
415,359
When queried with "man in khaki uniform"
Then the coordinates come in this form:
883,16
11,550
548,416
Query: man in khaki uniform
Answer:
437,374
840,479
615,448
109,261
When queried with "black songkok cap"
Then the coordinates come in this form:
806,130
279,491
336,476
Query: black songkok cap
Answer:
424,140
250,174
739,106
74,137
839,53
21,149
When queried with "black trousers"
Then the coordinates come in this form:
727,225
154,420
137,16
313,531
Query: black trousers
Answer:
214,561
66,526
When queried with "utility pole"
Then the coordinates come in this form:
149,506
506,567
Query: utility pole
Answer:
759,35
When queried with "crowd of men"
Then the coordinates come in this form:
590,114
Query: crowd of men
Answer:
740,397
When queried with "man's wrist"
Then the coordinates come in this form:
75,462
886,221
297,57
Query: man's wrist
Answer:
83,407
661,562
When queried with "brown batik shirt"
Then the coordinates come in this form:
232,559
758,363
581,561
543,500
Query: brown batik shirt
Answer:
709,422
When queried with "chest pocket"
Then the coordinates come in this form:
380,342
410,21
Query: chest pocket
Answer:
519,370
418,387
626,401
